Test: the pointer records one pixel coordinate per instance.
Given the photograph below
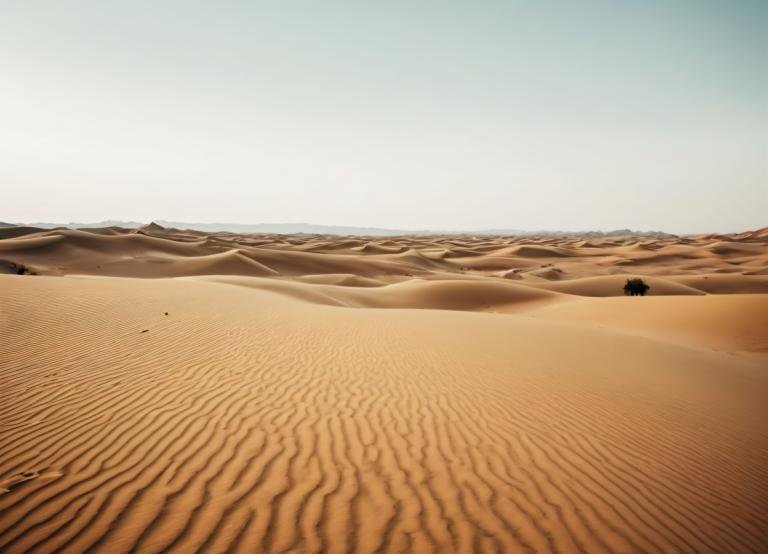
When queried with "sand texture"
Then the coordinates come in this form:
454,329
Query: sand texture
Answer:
175,391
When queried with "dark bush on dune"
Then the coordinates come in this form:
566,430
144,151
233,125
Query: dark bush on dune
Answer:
636,287
18,269
21,269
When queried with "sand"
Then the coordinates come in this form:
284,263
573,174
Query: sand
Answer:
172,391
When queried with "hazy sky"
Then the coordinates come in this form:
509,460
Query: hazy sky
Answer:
454,115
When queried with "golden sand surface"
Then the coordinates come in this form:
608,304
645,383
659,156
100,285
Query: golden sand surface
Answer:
177,391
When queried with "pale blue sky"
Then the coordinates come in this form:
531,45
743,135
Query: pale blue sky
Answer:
450,115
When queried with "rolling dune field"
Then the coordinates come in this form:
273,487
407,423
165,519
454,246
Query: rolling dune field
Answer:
176,391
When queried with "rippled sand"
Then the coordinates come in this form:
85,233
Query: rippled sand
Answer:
176,391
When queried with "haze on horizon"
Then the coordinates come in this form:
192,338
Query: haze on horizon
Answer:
546,115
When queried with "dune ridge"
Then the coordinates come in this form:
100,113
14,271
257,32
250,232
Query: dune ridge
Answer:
155,251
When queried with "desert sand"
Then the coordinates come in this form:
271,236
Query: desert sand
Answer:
176,391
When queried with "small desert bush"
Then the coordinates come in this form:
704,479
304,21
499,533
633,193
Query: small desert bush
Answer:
636,287
21,269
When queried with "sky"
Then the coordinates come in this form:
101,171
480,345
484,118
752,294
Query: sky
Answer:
411,115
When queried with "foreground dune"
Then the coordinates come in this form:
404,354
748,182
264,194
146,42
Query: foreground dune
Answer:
339,406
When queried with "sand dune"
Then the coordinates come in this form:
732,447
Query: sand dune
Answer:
170,391
725,322
463,295
612,286
153,251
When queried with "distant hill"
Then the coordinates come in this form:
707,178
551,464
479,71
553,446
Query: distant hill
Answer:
313,229
76,225
283,228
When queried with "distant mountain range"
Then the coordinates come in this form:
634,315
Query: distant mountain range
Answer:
312,229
